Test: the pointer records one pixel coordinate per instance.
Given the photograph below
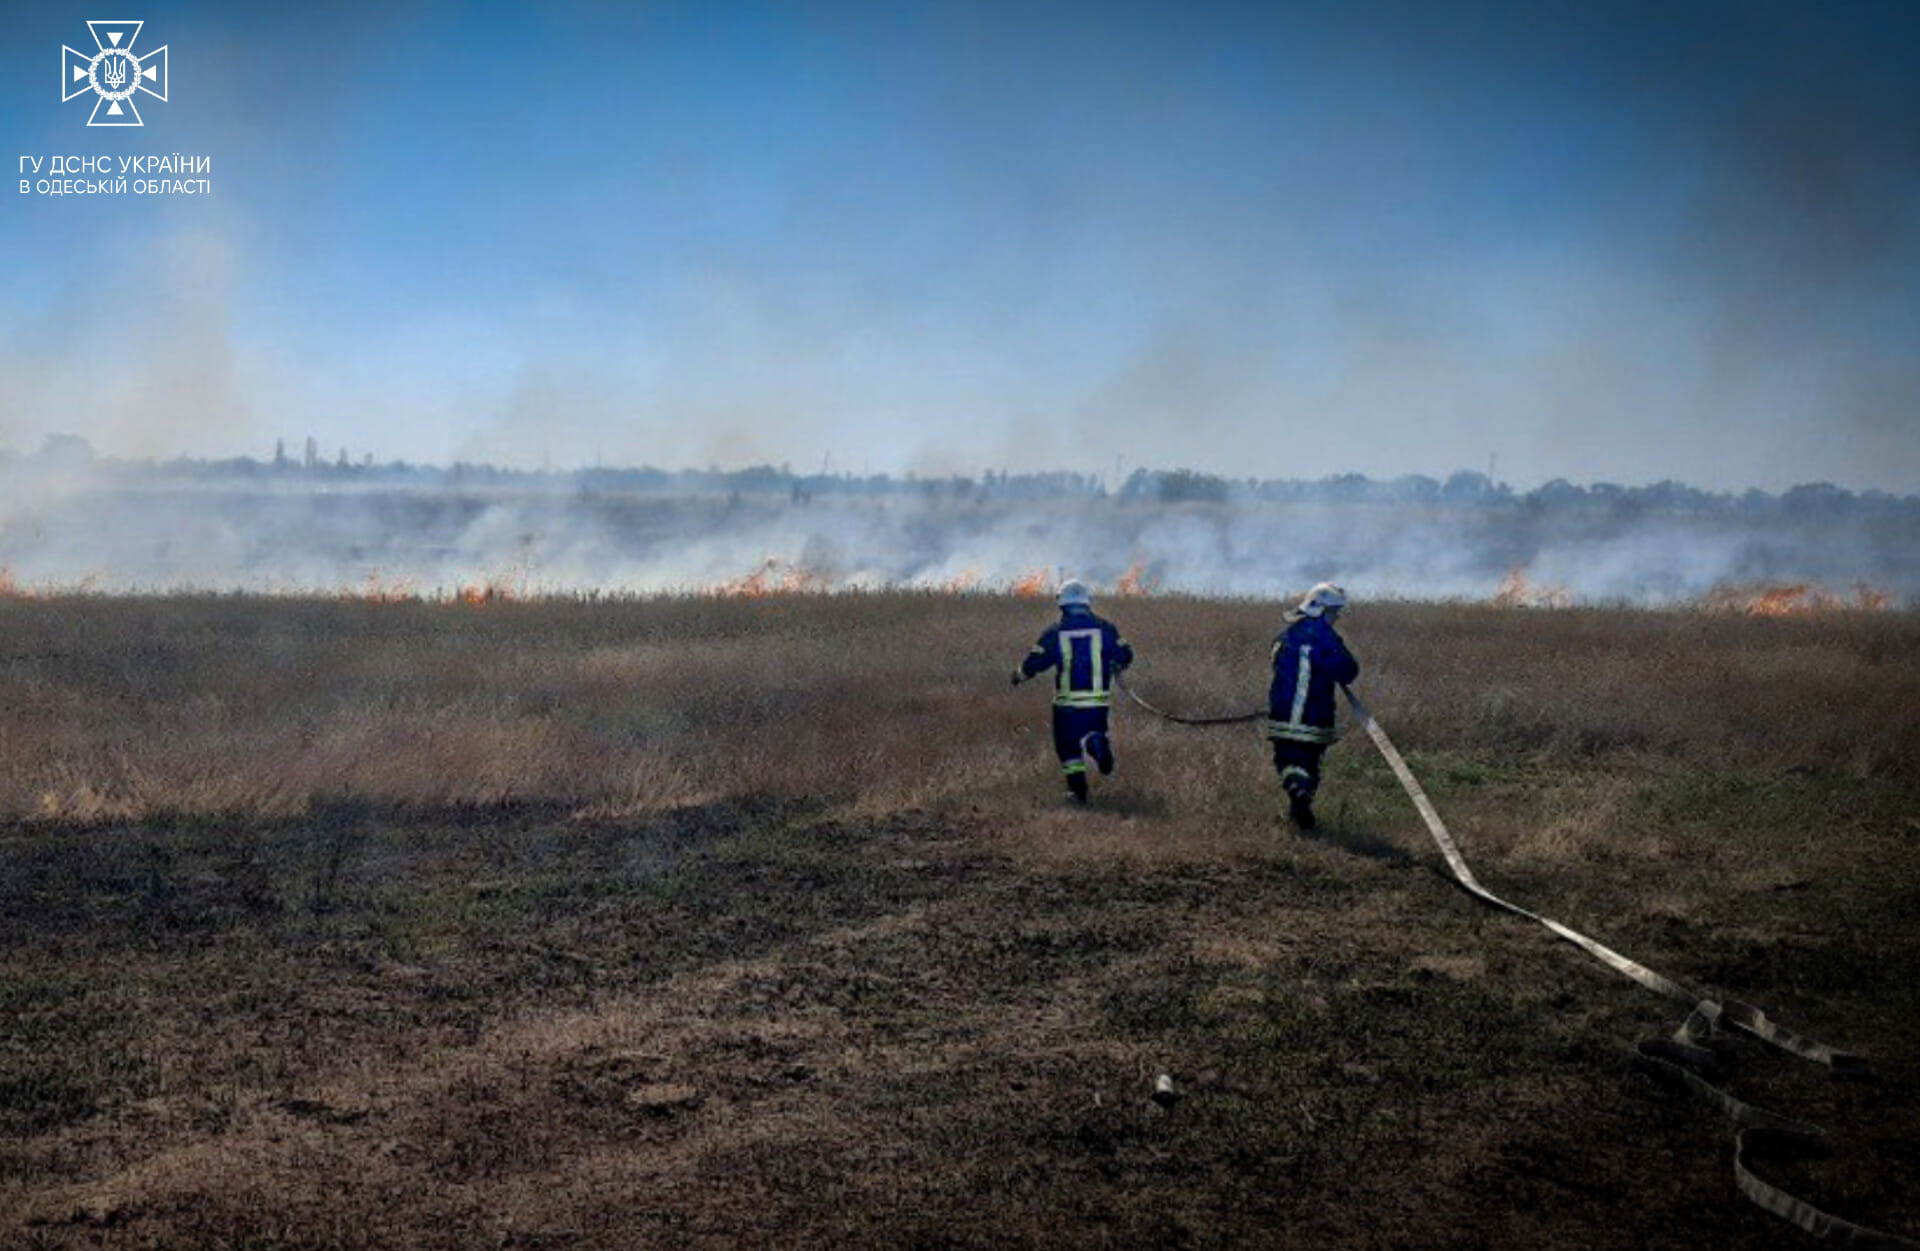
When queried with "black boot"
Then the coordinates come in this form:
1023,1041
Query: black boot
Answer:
1300,808
1077,787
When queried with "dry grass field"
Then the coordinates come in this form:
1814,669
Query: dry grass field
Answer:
712,922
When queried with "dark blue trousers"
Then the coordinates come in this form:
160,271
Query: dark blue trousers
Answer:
1298,765
1070,729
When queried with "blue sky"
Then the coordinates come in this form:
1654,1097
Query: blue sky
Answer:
1605,241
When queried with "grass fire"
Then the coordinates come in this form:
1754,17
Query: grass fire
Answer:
961,626
377,920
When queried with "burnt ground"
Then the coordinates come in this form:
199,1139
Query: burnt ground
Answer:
765,1023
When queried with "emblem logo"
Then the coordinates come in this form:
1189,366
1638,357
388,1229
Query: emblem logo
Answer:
114,74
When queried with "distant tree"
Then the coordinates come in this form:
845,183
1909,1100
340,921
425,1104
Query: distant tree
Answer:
1557,495
1814,498
1141,484
1346,488
1185,486
1465,486
1670,496
66,451
757,478
1415,488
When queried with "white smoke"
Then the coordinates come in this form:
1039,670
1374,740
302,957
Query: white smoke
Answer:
112,527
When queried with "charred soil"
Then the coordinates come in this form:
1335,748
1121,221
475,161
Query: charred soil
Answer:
761,925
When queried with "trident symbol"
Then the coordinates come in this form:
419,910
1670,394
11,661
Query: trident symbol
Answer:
115,74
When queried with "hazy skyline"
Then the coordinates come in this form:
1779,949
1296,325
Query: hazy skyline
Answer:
1622,242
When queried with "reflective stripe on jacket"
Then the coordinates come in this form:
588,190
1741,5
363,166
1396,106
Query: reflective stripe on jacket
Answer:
1087,654
1309,660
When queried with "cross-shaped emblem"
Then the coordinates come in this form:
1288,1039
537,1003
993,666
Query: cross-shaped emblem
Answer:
114,73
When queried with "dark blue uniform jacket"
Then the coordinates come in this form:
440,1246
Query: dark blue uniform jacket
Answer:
1309,660
1088,653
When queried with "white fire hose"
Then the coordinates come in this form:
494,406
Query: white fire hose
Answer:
1682,1056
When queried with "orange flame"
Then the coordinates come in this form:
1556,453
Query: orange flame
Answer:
1785,601
1516,590
965,581
1797,599
1032,585
12,588
1137,581
502,587
774,577
482,593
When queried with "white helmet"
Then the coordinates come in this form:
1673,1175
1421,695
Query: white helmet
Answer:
1321,599
1074,594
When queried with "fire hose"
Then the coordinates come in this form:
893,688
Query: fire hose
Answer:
1167,716
1683,1058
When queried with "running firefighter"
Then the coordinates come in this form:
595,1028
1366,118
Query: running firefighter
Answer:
1309,660
1088,655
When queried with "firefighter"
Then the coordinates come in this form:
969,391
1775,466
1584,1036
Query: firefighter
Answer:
1309,660
1088,654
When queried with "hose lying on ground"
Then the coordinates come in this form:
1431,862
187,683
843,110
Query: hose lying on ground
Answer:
1681,1058
1167,716
1684,1057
